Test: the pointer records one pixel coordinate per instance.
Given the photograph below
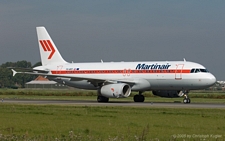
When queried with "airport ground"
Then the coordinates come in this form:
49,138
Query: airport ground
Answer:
50,117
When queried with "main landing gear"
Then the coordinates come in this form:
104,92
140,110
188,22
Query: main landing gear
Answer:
102,99
139,97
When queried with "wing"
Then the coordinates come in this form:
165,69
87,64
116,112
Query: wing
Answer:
93,80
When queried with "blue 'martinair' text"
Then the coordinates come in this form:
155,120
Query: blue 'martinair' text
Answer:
153,66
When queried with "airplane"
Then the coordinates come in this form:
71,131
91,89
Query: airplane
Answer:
117,79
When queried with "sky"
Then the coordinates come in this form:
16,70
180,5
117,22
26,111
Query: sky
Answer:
115,30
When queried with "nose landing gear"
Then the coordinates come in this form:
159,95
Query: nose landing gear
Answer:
186,99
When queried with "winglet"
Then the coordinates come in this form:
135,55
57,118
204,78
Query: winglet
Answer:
14,72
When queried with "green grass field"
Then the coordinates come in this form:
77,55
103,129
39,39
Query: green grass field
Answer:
54,122
48,122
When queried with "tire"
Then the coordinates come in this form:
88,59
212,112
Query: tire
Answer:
186,100
102,99
139,98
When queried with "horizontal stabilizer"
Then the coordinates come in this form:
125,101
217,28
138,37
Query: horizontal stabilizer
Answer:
14,72
27,69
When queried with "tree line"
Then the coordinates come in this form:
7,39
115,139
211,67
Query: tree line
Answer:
7,80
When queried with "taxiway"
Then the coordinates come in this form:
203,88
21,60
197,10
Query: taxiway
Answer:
113,103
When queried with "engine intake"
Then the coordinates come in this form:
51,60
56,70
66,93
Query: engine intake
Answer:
118,90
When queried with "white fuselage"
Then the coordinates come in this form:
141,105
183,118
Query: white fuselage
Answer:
160,75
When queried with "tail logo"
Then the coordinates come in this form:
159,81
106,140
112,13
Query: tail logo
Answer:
47,46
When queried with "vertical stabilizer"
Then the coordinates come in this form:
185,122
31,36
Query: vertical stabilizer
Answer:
49,52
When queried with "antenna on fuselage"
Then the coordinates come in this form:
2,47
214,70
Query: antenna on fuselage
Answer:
184,60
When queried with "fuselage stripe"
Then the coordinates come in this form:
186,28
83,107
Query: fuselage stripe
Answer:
117,71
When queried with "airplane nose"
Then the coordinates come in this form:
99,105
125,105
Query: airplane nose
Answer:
211,80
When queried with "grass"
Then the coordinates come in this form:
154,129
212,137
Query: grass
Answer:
51,122
54,122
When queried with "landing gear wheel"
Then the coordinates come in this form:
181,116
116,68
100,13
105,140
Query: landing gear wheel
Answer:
186,100
139,98
102,99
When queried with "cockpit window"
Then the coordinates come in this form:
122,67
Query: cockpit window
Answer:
196,70
204,70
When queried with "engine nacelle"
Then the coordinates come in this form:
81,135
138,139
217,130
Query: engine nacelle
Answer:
169,94
115,90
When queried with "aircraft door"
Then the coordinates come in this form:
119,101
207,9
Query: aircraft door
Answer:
59,68
178,71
